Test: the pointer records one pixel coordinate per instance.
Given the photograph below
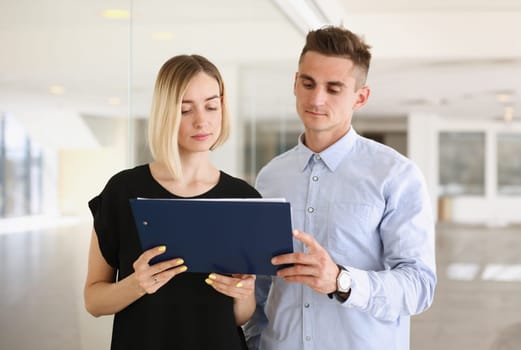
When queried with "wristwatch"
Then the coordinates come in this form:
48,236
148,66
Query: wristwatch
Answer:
343,285
343,281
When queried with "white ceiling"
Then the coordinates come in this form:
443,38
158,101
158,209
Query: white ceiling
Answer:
446,57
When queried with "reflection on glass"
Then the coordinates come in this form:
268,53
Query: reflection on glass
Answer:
462,163
53,159
509,164
20,170
267,140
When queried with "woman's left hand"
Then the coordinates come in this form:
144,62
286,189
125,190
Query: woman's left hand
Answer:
238,286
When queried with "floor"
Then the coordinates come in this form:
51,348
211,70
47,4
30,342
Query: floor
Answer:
477,304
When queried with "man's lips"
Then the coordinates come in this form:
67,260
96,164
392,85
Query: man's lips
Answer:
316,113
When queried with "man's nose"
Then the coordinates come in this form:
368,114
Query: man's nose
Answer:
317,97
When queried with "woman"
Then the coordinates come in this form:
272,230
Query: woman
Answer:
165,306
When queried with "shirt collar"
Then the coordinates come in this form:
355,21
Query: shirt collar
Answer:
331,156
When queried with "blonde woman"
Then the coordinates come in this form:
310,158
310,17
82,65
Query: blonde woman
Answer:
165,306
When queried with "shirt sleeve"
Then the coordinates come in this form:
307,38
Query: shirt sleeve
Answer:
104,212
406,285
256,324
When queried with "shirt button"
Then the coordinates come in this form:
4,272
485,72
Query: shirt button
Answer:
306,305
315,178
308,338
317,156
311,209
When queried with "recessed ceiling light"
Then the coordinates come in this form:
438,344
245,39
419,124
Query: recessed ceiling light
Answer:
162,36
114,101
503,98
115,14
56,89
509,114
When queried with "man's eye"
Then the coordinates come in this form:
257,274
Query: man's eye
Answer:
307,85
333,91
211,108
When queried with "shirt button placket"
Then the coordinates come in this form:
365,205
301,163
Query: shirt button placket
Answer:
312,201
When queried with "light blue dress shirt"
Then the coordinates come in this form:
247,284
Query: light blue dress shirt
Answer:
368,206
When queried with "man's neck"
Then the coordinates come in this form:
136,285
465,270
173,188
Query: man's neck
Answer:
319,141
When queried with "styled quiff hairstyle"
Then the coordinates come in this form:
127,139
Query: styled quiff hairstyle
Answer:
165,117
340,42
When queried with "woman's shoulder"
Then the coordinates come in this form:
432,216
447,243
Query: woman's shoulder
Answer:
237,187
128,176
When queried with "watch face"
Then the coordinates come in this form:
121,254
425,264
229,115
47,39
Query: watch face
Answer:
344,281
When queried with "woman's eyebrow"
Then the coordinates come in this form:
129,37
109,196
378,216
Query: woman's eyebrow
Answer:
206,99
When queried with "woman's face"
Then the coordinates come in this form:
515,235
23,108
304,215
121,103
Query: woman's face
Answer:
201,114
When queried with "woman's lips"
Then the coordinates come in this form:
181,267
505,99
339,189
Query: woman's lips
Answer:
201,137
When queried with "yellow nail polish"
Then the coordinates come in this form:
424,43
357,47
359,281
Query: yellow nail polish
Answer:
183,268
180,261
208,281
238,285
213,276
162,248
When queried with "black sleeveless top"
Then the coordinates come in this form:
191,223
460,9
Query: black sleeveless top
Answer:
185,313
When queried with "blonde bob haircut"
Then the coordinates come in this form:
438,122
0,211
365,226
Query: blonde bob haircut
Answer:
165,117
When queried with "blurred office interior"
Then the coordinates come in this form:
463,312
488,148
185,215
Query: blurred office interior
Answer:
76,79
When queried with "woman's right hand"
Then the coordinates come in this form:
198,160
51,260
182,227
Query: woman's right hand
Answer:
152,277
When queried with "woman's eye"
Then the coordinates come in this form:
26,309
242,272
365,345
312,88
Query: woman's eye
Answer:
186,111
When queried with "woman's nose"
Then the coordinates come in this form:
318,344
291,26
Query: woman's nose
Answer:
199,118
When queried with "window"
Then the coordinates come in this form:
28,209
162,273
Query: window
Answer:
509,164
267,139
20,170
462,163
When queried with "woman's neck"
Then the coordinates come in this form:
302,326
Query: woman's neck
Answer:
199,176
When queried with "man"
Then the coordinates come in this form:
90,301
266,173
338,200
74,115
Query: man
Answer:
367,262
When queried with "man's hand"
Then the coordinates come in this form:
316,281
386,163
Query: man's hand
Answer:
315,268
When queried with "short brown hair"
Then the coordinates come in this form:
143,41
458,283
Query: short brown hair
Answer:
338,41
165,117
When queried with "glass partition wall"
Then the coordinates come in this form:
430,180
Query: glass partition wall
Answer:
77,79
64,104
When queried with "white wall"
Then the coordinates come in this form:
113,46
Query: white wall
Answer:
422,148
491,209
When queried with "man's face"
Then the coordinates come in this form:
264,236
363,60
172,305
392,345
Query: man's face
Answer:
326,95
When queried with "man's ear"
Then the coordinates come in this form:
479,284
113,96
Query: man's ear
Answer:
295,83
362,95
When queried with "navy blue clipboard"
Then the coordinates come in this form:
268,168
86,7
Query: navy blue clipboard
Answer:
232,236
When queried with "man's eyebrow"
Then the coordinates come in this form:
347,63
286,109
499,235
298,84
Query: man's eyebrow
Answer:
205,100
305,77
336,83
329,83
